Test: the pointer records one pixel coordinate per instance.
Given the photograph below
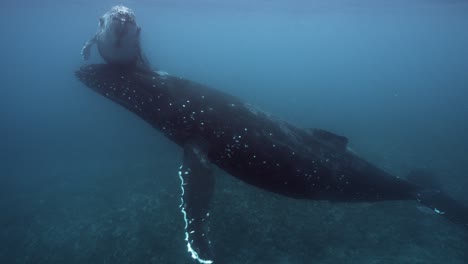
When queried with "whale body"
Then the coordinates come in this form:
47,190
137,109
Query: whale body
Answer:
218,129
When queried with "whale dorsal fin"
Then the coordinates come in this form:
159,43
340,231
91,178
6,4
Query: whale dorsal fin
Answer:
337,142
197,184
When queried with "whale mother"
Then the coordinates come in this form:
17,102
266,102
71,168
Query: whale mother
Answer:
215,128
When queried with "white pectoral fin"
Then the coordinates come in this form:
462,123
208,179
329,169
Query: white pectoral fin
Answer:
197,183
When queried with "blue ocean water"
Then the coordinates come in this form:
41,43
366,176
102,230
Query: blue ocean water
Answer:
84,181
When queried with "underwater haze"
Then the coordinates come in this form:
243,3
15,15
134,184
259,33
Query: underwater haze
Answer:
84,181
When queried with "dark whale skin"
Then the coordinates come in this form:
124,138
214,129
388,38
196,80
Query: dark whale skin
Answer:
217,128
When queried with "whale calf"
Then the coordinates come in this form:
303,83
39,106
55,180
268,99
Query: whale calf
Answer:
118,39
218,129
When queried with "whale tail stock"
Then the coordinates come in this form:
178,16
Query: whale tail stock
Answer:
433,197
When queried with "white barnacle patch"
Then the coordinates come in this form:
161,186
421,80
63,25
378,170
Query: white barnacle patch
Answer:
192,252
438,211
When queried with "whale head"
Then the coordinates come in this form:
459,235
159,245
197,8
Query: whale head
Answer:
119,36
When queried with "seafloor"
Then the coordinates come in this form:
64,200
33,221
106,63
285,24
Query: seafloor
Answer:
107,211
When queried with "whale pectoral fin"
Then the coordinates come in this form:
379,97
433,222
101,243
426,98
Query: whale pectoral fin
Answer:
197,183
86,50
142,61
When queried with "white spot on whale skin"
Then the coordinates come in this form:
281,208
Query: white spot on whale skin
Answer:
162,73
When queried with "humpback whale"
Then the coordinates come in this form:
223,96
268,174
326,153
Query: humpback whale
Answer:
118,39
218,129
